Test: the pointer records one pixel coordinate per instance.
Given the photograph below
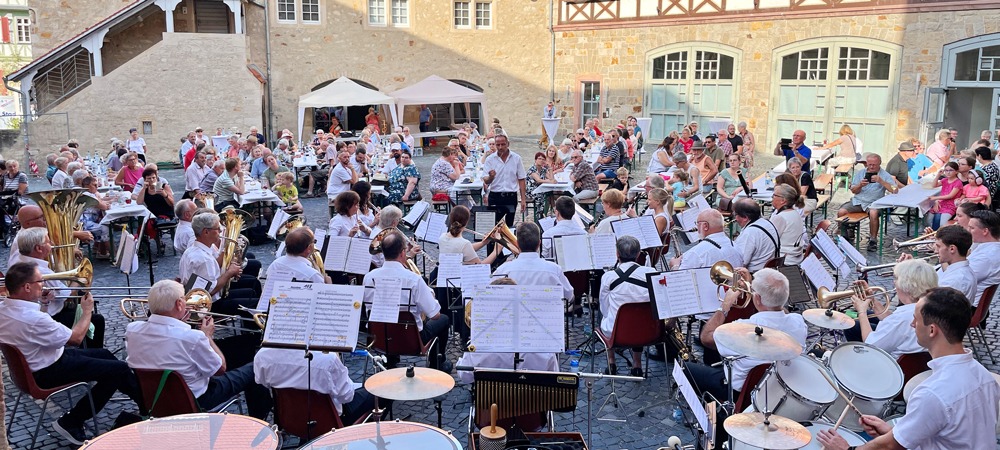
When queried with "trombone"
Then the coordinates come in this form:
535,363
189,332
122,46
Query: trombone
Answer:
198,302
863,270
723,275
828,299
924,239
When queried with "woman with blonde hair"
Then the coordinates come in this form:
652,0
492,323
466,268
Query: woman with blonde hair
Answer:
850,147
662,204
788,221
612,200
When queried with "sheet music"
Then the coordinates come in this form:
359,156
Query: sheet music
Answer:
196,282
573,253
517,319
434,226
540,325
683,293
275,274
688,219
128,260
473,275
698,202
313,314
852,252
335,258
628,227
583,215
385,303
692,399
642,228
603,253
816,273
280,217
416,213
359,259
493,310
320,235
285,318
449,268
829,249
485,221
280,251
548,222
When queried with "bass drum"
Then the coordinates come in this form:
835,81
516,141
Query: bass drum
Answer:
795,389
814,428
867,373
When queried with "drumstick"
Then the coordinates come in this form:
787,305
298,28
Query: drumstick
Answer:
839,392
840,420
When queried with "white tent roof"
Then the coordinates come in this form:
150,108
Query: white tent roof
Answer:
436,90
343,92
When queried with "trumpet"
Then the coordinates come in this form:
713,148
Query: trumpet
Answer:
828,299
924,239
722,274
865,269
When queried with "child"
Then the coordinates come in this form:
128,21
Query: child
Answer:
944,204
287,192
621,180
678,182
975,192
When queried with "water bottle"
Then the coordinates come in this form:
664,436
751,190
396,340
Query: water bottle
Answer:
678,415
574,364
359,352
768,180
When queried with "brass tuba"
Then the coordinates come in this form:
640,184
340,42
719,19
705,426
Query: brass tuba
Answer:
293,222
234,244
502,235
62,209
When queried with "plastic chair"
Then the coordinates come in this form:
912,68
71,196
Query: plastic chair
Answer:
975,333
752,380
292,416
912,364
635,326
398,339
22,377
176,397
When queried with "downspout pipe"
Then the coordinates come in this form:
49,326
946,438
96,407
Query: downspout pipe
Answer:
269,132
25,110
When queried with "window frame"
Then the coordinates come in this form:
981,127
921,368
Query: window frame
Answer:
468,15
318,12
582,86
489,16
22,23
293,11
391,14
368,14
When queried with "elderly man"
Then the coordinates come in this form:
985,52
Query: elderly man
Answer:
202,259
565,225
389,217
30,216
184,234
583,178
609,159
299,247
956,407
194,174
770,289
188,144
50,349
529,268
207,184
505,179
626,284
759,241
894,334
796,149
61,179
868,185
165,341
897,165
228,185
705,165
713,247
985,229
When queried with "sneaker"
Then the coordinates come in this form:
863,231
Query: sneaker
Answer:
74,434
636,372
872,246
611,370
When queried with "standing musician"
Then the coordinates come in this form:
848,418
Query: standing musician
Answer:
35,247
299,246
394,246
713,247
165,341
565,226
985,229
529,268
758,241
31,216
893,333
50,350
770,293
203,259
956,407
506,177
626,284
184,234
952,243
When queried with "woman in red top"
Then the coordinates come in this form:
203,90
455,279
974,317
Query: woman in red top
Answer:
131,172
372,118
685,142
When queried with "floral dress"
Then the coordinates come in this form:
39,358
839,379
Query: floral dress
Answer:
531,184
398,181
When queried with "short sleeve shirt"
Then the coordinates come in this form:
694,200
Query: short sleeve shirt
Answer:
440,173
221,188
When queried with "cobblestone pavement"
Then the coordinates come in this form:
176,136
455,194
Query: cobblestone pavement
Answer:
648,405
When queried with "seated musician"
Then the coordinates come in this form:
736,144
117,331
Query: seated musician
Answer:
184,234
389,217
713,247
452,241
31,216
203,259
251,271
952,243
35,247
894,333
956,407
166,341
612,201
565,226
770,293
758,241
299,247
346,222
626,284
50,349
416,293
985,229
529,268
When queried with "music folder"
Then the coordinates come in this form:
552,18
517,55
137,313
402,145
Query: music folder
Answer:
683,292
416,213
347,254
585,251
314,316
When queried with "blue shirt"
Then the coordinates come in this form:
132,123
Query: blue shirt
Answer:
871,192
257,168
425,115
804,151
916,164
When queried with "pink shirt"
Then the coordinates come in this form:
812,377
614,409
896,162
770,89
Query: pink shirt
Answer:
937,152
947,187
970,191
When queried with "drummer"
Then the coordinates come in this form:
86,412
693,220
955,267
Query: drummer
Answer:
770,293
956,407
894,333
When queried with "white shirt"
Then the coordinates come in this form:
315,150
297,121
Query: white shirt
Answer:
604,226
39,337
389,165
704,254
408,139
546,362
193,176
793,324
183,236
340,225
165,343
984,267
894,333
954,409
285,368
200,260
959,275
378,259
137,145
451,244
790,227
561,228
612,300
507,172
655,166
530,269
56,304
300,267
754,244
421,295
61,180
340,181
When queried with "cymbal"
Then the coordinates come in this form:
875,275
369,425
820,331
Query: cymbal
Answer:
779,433
828,318
409,383
768,345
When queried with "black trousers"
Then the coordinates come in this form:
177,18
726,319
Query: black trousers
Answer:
90,365
506,204
68,315
225,386
424,127
436,328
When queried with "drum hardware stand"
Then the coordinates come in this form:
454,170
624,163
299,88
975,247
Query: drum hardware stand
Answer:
590,394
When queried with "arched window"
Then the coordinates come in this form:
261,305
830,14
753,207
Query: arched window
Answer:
690,82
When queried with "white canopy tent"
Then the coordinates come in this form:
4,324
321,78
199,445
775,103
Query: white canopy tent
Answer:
435,90
343,92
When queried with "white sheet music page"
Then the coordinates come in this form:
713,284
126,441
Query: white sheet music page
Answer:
540,324
437,224
602,251
698,202
421,231
288,318
816,273
450,269
385,303
688,219
336,313
485,221
359,259
708,292
676,294
335,258
275,275
573,252
416,212
280,251
128,261
280,217
856,257
473,275
627,227
828,248
547,222
493,309
649,237
320,235
692,399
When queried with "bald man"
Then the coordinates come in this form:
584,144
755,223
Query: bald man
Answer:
30,216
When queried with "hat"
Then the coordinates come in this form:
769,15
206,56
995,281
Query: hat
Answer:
288,135
395,146
906,146
698,146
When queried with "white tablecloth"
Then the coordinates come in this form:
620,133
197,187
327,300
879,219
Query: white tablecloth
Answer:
304,161
910,196
262,195
554,187
129,210
428,134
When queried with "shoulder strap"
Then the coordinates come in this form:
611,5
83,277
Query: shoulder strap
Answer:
776,240
716,244
626,277
159,390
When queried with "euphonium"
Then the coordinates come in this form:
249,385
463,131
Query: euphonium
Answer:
233,243
62,210
82,275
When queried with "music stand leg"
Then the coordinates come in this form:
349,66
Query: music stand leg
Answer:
590,410
437,407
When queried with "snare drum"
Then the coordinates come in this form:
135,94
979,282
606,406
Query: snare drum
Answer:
851,437
794,389
382,435
190,431
868,373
